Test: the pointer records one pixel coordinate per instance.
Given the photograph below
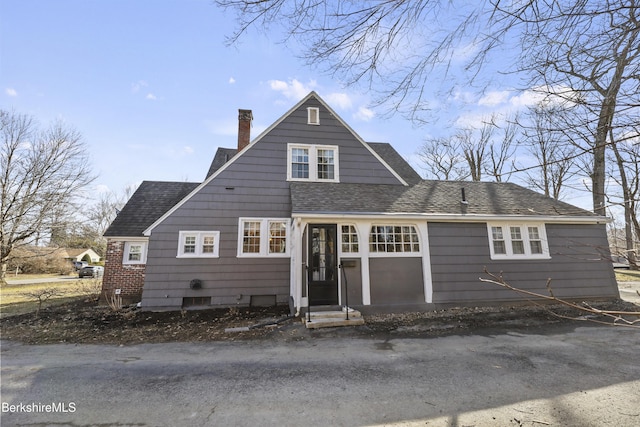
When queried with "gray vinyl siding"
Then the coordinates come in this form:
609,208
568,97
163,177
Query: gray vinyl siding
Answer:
396,281
579,266
353,275
357,164
254,185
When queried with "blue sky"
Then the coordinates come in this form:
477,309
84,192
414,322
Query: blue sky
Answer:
154,89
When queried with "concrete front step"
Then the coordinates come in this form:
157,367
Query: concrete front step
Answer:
330,319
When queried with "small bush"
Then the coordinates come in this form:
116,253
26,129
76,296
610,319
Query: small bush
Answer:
92,288
42,295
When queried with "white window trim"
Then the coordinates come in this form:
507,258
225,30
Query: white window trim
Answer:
199,235
313,162
525,237
310,112
349,254
373,254
264,238
127,249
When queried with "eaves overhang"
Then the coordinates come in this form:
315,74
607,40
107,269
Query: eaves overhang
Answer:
443,217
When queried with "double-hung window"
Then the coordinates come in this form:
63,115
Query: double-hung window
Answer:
517,241
299,161
135,253
312,163
198,244
263,237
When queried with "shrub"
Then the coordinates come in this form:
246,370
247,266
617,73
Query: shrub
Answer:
35,260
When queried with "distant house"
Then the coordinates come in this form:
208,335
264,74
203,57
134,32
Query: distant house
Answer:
88,255
309,211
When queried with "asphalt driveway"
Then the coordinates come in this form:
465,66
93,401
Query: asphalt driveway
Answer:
559,376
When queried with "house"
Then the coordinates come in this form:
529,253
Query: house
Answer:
309,211
88,255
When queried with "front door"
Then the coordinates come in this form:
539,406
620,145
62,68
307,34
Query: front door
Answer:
323,263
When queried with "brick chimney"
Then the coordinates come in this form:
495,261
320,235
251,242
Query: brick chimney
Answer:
244,128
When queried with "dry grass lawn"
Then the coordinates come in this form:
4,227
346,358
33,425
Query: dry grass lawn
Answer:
21,298
627,276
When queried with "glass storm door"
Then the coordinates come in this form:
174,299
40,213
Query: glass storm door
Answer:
323,271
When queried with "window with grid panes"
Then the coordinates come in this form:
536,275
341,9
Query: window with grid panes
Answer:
518,241
393,239
349,238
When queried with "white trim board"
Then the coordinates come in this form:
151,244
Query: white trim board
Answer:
177,206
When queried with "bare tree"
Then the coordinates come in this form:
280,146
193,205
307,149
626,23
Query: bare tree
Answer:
587,52
627,161
554,153
472,152
102,213
502,147
87,231
442,159
474,149
40,173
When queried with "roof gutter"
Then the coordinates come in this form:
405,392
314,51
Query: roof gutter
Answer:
549,219
128,238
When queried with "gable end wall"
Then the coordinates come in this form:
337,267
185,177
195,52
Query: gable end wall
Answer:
254,185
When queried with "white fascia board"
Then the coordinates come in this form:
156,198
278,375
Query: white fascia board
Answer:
354,133
455,217
128,238
195,191
148,231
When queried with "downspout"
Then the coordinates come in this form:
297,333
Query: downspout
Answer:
296,264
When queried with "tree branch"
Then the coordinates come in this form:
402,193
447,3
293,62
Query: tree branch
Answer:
616,317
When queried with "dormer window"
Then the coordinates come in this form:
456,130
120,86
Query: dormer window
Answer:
313,116
312,163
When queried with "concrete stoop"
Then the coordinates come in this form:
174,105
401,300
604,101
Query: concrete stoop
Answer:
331,319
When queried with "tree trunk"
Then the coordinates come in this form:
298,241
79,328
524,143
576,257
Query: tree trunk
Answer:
598,174
628,210
3,273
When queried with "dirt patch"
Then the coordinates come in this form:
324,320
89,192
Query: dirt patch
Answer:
81,321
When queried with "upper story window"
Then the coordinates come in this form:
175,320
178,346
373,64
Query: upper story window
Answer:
402,239
135,253
517,241
313,116
263,237
299,163
312,163
197,244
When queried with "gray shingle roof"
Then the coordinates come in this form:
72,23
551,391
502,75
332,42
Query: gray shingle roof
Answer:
222,156
431,197
149,202
395,160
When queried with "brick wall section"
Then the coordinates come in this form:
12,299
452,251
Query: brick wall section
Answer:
128,278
